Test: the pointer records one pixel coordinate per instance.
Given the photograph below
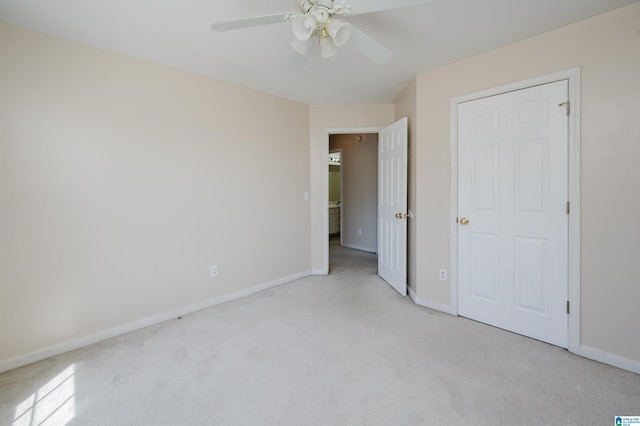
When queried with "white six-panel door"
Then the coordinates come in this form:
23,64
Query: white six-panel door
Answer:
512,211
392,205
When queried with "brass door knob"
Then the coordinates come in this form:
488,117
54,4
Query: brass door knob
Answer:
398,215
464,221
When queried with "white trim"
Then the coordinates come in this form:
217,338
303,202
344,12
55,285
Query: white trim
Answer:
351,246
453,209
611,359
61,348
435,306
319,271
573,77
574,216
412,294
325,186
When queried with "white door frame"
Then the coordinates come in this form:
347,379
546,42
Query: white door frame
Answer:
325,185
573,77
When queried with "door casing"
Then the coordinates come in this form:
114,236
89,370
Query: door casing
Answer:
573,77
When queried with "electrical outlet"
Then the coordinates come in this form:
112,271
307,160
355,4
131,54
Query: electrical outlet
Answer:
443,274
214,270
359,231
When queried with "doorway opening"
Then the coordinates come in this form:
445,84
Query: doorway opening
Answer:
352,191
390,189
356,170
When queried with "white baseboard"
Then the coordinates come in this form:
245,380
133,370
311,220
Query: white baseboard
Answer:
435,306
320,271
359,248
412,294
61,348
609,358
12,363
584,351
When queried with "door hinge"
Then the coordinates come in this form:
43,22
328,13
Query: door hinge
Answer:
568,207
567,106
568,307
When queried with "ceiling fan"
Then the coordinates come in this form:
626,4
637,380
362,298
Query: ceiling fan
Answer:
317,23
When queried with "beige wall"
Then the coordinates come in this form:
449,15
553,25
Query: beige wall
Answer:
123,181
607,48
321,118
405,106
359,207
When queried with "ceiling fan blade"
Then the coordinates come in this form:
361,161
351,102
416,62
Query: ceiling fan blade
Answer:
368,47
253,22
359,7
298,61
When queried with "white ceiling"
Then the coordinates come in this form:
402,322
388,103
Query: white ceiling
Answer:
177,33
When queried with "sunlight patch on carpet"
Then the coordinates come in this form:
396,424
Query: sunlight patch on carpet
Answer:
52,404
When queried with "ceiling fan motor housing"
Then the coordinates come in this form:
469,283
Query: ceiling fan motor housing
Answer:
316,18
328,5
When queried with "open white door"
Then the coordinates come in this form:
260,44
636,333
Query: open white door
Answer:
392,205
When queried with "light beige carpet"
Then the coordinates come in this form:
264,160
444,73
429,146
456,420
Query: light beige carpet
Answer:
344,349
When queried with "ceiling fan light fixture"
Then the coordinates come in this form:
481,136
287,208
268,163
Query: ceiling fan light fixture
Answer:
314,23
339,31
303,26
327,47
300,46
